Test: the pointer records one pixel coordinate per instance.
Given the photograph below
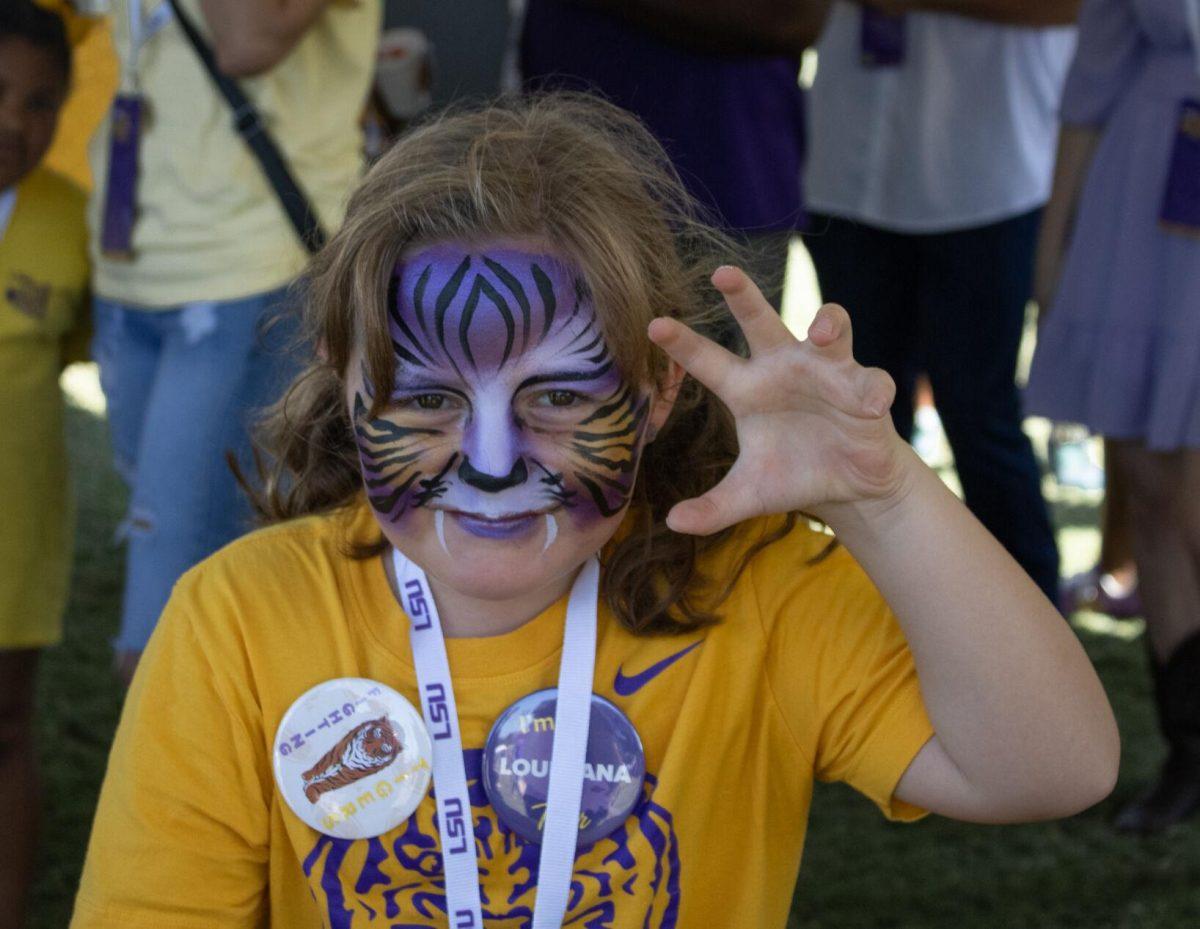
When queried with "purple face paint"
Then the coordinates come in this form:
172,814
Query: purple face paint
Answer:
507,410
516,767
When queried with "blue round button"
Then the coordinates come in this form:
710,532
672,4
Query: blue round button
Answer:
516,767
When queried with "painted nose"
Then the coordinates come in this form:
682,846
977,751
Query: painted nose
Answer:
491,483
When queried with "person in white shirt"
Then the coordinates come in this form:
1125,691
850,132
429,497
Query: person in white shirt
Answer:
932,127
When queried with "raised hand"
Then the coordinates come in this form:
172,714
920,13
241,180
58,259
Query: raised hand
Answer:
813,425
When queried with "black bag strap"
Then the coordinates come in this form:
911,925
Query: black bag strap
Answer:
248,123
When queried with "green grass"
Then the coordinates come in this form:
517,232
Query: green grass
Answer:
859,871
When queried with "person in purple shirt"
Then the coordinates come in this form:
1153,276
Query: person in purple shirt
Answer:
731,122
1118,281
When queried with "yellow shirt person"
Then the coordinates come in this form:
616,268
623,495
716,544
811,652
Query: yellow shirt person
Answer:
808,677
43,294
183,339
209,225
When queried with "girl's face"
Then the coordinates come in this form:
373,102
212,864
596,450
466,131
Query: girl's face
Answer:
508,446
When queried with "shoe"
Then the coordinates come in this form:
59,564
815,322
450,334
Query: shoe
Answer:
1173,799
1117,601
1100,593
1176,795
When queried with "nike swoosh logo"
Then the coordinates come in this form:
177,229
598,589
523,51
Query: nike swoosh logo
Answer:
627,686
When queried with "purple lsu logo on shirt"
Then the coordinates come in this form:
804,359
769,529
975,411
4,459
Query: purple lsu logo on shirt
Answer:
634,871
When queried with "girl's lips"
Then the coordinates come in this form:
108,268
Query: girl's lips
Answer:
505,527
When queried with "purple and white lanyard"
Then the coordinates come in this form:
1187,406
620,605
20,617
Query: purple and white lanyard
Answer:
556,862
142,28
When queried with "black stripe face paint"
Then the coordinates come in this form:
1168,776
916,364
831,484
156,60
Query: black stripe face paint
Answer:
508,414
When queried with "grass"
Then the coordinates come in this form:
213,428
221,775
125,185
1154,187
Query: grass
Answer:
859,871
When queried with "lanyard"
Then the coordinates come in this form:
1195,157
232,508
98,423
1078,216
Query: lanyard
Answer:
142,29
8,202
1192,8
571,720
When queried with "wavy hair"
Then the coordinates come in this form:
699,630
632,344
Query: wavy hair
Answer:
587,178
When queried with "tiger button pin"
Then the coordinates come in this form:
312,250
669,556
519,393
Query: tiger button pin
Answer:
352,758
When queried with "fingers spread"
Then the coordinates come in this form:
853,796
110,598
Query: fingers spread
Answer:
830,332
759,321
702,358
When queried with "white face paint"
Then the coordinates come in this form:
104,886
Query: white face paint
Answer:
439,524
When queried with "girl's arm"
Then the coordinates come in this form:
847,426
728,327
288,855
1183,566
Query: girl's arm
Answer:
1023,728
252,36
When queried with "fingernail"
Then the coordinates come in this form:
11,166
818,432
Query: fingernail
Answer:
822,327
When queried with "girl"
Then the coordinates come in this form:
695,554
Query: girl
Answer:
486,414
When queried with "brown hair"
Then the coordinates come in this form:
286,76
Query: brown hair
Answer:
586,177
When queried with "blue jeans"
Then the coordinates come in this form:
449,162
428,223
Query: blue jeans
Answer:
953,305
183,386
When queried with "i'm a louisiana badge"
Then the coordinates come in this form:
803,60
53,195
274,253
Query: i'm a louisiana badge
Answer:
352,758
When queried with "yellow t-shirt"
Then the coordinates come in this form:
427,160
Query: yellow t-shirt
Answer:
807,677
209,225
43,293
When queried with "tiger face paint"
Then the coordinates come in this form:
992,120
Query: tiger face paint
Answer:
508,420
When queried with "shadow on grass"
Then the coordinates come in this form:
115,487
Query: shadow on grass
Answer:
863,872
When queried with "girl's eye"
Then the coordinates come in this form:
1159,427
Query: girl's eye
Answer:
560,398
430,401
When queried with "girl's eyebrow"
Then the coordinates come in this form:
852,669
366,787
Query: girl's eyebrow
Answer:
555,377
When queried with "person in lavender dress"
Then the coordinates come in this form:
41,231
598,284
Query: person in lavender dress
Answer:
1119,348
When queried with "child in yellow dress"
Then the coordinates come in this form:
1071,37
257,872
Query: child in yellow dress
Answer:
43,290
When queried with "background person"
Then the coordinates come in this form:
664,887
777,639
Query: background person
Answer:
179,320
1120,253
725,104
43,299
932,137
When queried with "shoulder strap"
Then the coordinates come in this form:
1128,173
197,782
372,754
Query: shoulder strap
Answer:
248,123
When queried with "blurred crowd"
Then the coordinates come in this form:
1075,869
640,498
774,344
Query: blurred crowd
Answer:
167,167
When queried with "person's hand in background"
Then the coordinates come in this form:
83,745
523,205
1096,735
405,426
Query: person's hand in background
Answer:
1076,146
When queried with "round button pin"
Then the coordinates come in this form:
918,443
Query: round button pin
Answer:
352,758
516,767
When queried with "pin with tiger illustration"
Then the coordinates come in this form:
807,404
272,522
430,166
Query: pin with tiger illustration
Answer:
352,758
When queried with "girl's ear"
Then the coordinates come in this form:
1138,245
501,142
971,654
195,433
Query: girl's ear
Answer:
664,399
